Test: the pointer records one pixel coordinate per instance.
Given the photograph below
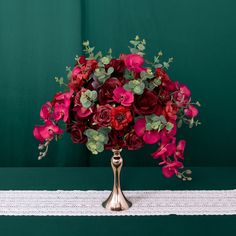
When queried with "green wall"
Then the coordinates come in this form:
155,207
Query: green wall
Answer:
38,38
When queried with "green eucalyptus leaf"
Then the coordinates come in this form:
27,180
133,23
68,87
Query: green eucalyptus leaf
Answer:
169,126
110,70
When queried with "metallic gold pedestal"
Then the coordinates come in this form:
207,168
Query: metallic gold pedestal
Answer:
116,201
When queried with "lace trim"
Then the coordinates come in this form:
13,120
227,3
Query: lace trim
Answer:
88,203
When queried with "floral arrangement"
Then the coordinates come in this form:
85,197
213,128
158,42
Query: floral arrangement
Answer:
123,102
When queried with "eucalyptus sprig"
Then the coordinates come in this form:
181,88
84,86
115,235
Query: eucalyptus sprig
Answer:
138,46
60,81
88,50
97,139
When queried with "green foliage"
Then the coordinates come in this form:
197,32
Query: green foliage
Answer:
88,98
97,139
154,122
138,46
166,65
88,50
136,86
129,74
146,74
60,81
102,75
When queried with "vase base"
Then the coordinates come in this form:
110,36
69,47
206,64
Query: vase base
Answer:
117,202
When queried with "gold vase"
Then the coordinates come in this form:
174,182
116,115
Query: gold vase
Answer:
116,201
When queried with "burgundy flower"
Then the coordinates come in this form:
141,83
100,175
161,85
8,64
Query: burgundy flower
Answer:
133,141
102,116
120,117
105,93
116,139
146,103
166,82
117,64
77,133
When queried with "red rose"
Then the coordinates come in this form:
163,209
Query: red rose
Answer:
117,64
146,104
77,133
102,116
116,139
105,93
133,142
120,117
166,82
81,73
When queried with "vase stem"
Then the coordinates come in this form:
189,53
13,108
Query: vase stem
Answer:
116,201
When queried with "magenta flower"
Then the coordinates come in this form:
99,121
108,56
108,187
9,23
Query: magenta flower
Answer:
182,95
82,112
122,96
46,131
165,150
191,111
179,152
61,106
171,168
149,136
134,62
61,111
45,111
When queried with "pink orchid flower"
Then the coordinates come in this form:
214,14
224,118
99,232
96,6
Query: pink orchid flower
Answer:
171,168
122,96
191,111
45,111
62,103
165,150
149,136
46,131
61,111
182,94
179,153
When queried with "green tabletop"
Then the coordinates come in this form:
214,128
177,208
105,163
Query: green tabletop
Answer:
100,178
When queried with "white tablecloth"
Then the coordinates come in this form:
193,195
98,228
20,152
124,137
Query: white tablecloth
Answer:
88,203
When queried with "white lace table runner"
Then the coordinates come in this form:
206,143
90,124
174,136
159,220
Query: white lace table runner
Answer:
88,203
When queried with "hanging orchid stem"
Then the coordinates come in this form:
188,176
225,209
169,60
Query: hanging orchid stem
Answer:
43,148
185,175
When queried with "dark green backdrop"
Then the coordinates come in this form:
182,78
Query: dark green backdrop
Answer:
38,38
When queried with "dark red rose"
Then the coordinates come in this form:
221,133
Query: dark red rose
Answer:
82,60
133,142
105,93
146,104
116,139
166,82
102,116
118,65
120,117
77,133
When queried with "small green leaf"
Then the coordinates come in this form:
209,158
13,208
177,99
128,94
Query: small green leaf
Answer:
169,126
179,124
110,70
